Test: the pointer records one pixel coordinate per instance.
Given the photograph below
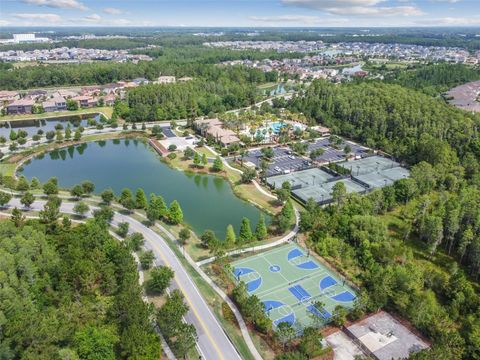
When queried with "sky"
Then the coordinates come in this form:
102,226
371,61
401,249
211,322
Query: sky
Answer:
240,13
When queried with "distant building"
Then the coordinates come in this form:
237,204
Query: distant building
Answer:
85,101
165,80
22,106
185,79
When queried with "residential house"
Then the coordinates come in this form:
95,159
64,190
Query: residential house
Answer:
109,99
60,102
140,81
22,106
85,101
49,106
7,97
185,79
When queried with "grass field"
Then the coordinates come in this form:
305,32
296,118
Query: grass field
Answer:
106,110
293,286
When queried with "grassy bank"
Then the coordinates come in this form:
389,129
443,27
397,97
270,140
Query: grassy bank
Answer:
106,110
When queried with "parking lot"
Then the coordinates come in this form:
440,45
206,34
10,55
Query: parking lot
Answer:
282,162
167,131
331,154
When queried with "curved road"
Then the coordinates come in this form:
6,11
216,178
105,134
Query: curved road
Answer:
213,343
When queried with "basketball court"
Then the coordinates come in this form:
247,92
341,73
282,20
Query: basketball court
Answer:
293,286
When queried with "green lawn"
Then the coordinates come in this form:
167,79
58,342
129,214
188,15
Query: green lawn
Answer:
107,110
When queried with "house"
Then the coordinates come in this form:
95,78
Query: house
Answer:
36,94
109,99
60,102
185,79
7,97
49,106
22,106
215,129
165,80
67,94
85,101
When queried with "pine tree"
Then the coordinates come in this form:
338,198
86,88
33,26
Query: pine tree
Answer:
230,237
175,214
140,199
204,160
261,229
245,235
196,159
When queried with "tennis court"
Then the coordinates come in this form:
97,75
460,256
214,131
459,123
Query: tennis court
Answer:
302,179
293,286
367,165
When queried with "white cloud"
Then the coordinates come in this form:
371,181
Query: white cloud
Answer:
453,21
44,18
446,1
355,7
60,4
112,11
298,19
92,18
4,22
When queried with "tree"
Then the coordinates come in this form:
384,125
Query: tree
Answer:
88,187
51,187
146,259
27,199
339,316
59,136
170,315
103,215
217,164
175,214
126,199
160,278
230,237
248,175
208,238
76,191
51,213
122,229
185,339
4,198
68,133
141,199
261,228
311,342
77,135
22,184
50,135
107,196
17,217
284,333
172,147
72,105
81,208
339,191
34,183
196,159
184,235
245,235
267,153
96,343
204,160
135,241
188,153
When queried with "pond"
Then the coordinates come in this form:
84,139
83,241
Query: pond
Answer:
207,201
32,126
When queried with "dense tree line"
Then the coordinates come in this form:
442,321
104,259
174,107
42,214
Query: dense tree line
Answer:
186,61
435,78
70,293
221,89
395,241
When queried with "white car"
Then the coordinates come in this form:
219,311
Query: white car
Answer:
292,157
287,171
277,169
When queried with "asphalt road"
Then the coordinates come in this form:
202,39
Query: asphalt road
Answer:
213,343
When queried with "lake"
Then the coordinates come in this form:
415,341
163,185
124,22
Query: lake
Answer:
32,126
207,201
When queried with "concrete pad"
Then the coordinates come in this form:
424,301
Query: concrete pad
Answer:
343,347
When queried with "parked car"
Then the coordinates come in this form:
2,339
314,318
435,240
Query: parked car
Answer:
292,157
286,171
277,169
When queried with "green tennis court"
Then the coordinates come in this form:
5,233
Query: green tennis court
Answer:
291,284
